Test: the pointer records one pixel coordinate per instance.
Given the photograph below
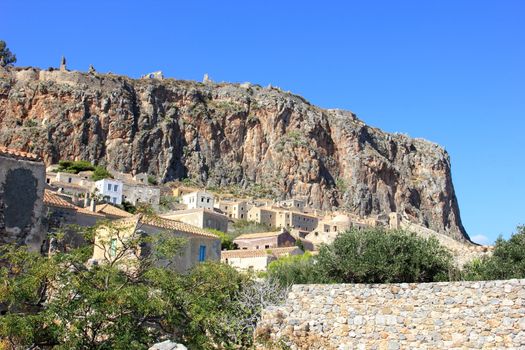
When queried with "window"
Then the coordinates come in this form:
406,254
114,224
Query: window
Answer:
114,200
109,187
113,247
202,199
208,200
69,180
115,188
242,216
202,253
267,246
48,180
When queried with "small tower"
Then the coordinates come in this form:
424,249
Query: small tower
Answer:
206,79
91,69
394,221
63,64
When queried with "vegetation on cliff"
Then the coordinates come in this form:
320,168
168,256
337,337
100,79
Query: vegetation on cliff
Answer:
6,56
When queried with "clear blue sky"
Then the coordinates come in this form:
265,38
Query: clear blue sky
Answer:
452,72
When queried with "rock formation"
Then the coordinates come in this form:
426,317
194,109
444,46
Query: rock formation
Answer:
229,134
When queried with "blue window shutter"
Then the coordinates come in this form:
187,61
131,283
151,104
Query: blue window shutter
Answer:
202,253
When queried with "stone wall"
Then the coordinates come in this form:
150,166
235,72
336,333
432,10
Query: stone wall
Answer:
21,202
462,251
448,315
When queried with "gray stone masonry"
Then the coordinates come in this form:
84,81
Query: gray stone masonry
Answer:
448,315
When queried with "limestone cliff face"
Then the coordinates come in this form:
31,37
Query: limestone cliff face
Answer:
224,134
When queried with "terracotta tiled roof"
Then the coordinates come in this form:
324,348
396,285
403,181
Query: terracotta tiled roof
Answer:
244,253
86,211
259,235
18,154
53,200
108,209
175,225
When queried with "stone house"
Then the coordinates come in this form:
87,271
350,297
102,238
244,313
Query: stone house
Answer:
198,199
200,217
265,240
329,227
138,193
110,190
22,181
79,185
180,191
233,209
277,217
136,189
297,220
262,215
256,260
294,204
199,246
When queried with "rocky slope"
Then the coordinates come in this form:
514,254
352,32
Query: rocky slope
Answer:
224,134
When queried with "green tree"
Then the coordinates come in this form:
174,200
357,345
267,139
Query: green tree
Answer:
130,300
378,256
100,173
226,239
506,262
295,269
6,56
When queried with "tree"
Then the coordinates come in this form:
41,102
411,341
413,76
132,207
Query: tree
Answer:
130,300
378,256
6,56
100,173
506,262
294,269
226,239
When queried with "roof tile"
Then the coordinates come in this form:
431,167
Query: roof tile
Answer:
18,154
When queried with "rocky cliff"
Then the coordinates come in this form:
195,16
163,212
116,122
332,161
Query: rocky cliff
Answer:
224,134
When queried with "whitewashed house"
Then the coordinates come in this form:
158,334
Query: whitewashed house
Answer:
110,189
198,199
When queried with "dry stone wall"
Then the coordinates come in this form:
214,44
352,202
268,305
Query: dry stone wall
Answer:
448,315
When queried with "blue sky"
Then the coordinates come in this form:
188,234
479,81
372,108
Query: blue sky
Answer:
452,72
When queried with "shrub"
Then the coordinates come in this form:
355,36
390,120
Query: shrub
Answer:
100,173
506,262
294,269
226,239
378,256
75,167
152,180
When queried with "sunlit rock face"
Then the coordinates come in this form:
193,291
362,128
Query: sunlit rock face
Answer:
229,134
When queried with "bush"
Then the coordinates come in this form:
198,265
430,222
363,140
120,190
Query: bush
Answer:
226,239
294,269
101,173
6,55
60,302
241,227
75,167
152,180
506,262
